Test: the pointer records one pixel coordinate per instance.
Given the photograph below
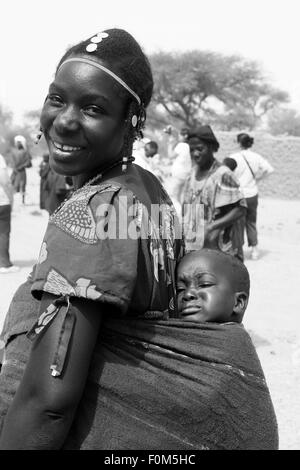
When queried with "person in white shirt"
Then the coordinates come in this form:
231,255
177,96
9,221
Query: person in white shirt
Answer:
251,167
138,152
6,200
179,151
148,158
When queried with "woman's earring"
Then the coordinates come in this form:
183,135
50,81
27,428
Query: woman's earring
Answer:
124,163
39,135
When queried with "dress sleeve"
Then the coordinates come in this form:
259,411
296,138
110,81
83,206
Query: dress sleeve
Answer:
227,190
87,251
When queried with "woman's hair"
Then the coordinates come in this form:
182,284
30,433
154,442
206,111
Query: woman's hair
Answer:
245,140
123,56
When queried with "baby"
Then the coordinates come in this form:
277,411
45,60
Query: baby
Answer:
212,287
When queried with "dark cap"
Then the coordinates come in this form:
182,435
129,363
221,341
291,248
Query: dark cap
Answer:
206,134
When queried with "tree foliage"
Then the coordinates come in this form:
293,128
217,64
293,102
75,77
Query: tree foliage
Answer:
197,86
284,121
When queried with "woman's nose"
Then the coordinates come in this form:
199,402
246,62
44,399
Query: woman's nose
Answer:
67,120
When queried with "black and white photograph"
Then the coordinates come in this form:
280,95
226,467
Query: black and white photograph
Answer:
149,227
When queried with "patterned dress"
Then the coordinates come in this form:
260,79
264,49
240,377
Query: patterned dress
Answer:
207,200
116,243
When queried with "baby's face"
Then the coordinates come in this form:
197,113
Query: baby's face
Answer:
205,289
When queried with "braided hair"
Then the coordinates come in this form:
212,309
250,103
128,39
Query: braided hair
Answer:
121,53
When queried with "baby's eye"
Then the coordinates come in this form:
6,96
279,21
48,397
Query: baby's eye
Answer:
180,288
205,284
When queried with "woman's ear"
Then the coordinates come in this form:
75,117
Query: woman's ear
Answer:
240,305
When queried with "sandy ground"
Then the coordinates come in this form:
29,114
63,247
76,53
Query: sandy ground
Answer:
272,317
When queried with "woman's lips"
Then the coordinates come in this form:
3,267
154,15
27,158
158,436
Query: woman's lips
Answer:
63,151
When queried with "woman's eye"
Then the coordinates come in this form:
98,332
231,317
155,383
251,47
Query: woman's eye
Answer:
93,110
55,99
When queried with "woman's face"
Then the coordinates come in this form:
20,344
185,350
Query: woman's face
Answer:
83,120
201,152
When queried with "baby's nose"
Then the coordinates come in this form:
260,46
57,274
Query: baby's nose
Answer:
190,294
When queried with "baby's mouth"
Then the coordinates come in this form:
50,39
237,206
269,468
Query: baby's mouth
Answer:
190,309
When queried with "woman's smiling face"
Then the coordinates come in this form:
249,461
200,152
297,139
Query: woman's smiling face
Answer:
83,120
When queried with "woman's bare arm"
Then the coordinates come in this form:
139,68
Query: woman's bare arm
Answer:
44,406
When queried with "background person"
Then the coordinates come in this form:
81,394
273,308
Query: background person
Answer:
251,168
179,152
21,160
213,201
44,187
6,202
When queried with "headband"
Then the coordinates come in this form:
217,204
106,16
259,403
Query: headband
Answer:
104,69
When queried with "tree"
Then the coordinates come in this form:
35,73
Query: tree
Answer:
284,121
197,86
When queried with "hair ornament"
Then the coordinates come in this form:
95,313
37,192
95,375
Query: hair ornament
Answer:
105,69
124,163
134,120
92,46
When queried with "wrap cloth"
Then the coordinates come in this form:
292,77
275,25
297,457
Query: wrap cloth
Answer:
174,385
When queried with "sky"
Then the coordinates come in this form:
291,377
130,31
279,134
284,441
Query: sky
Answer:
35,33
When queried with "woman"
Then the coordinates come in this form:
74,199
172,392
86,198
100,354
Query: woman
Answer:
109,252
212,202
251,167
112,367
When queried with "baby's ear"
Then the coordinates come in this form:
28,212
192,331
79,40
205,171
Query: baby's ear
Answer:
240,305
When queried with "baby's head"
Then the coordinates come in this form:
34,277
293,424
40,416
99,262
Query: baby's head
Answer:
212,287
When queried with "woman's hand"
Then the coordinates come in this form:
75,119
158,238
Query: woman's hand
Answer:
211,236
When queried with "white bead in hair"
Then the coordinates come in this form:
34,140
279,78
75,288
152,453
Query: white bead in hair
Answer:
134,120
91,47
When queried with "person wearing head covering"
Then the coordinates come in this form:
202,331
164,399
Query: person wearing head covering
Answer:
251,168
213,201
21,160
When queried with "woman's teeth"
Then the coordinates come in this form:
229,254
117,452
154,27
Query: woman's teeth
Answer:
66,148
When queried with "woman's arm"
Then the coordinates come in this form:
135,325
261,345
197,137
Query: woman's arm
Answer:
212,229
44,406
